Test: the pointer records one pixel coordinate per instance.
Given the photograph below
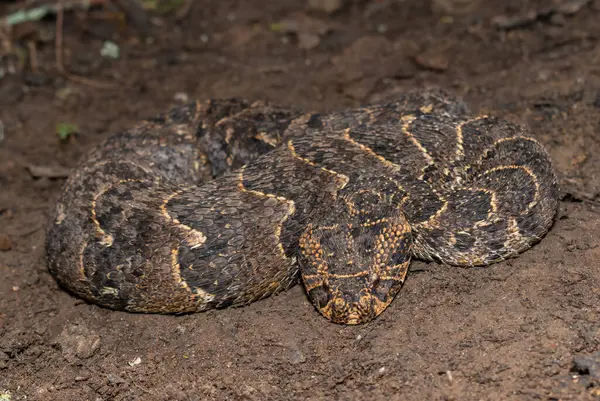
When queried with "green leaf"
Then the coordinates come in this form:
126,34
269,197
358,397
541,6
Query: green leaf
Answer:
277,27
64,130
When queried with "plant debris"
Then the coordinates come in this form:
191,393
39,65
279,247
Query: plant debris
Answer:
40,171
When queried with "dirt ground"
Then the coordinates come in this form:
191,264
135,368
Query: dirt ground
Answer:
526,329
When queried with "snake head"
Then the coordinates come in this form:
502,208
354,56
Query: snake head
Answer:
354,262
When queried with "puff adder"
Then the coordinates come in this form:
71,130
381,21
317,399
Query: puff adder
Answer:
224,202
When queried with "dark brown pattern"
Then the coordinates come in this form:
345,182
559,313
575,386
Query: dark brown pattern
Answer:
223,202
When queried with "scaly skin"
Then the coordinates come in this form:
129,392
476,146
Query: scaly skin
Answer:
222,203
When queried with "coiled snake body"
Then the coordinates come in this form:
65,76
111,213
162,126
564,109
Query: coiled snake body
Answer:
222,203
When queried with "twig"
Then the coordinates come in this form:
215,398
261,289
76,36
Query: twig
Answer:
5,42
33,60
89,82
59,54
39,12
59,37
183,11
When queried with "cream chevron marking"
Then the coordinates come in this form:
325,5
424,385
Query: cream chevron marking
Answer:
386,162
193,238
432,221
290,204
105,239
486,151
198,294
528,171
460,150
368,150
343,179
407,120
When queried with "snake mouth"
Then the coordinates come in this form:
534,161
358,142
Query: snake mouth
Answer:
343,311
354,317
341,302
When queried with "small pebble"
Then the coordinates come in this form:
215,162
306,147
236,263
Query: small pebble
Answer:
296,357
110,50
5,243
182,97
135,361
307,40
432,61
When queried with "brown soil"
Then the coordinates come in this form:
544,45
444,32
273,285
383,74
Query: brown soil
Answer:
523,329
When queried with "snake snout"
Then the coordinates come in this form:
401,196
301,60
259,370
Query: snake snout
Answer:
353,310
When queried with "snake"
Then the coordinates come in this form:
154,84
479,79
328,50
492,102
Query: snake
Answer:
223,202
